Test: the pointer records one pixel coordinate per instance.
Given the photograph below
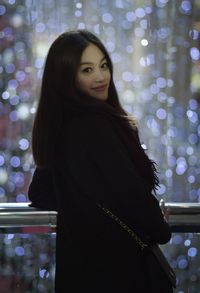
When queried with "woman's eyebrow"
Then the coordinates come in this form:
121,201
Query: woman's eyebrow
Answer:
90,63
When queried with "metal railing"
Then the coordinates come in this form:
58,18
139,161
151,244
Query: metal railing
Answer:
19,215
183,217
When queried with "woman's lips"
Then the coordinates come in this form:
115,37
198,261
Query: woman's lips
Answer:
100,88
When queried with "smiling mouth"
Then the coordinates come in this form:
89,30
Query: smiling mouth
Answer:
100,88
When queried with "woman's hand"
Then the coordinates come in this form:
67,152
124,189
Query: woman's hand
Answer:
165,210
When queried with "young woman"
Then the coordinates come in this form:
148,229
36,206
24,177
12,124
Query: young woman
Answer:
88,155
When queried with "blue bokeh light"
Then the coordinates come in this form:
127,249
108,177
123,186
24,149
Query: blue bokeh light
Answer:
19,250
192,251
182,263
107,18
194,53
15,161
23,144
44,274
185,6
40,27
2,192
13,116
2,160
193,104
2,9
14,100
21,198
194,34
177,239
161,113
140,12
131,16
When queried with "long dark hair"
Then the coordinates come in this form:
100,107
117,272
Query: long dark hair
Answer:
58,88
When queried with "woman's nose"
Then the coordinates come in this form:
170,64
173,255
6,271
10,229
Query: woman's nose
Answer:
99,75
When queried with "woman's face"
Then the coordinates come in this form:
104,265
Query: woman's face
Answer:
93,76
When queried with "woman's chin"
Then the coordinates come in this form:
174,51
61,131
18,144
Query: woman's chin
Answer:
101,97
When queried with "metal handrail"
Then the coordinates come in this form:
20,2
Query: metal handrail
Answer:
183,217
16,215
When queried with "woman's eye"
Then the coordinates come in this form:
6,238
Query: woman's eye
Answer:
105,65
87,69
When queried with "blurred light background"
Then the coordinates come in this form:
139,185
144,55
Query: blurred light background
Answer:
155,48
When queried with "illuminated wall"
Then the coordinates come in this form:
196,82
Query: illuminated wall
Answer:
154,45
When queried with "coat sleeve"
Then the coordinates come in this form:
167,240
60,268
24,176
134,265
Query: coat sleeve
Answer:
41,190
101,167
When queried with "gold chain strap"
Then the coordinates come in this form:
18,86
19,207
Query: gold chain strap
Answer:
125,227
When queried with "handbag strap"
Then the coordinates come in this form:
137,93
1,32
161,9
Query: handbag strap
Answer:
155,249
141,244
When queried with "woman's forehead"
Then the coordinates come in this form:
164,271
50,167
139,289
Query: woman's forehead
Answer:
92,54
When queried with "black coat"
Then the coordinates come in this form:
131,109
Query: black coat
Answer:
94,254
